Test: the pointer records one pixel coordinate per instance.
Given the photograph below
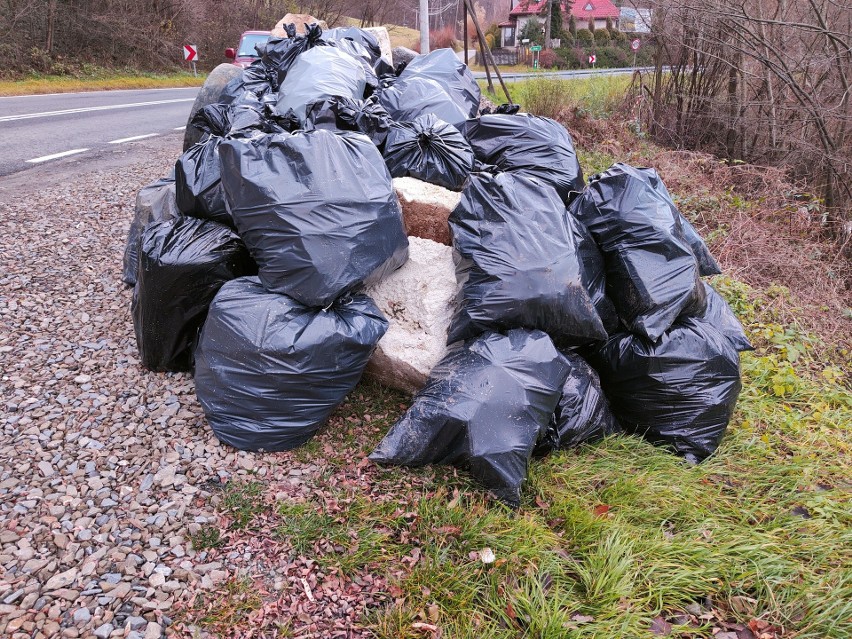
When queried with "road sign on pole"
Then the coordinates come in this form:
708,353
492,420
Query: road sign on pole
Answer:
190,54
592,59
635,44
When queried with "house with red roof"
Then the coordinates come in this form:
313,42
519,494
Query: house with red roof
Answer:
582,10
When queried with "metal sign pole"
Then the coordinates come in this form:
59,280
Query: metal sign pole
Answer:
194,72
424,26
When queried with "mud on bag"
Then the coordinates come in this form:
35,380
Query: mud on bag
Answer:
269,371
154,203
316,209
679,391
182,264
484,407
529,145
519,264
652,275
430,150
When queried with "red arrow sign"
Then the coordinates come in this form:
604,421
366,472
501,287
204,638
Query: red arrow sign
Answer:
592,59
190,52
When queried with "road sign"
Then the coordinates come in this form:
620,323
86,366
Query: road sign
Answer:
635,44
190,52
593,58
536,47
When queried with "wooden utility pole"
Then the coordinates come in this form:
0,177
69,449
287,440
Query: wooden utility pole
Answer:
486,54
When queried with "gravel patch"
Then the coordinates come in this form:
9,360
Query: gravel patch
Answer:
106,470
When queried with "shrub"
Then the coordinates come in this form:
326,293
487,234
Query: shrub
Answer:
617,37
585,38
489,40
443,39
591,25
602,38
532,31
612,58
547,59
571,57
544,96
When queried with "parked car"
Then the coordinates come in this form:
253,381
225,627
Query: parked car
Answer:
245,54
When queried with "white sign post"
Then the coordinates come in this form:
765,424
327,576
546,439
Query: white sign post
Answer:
190,54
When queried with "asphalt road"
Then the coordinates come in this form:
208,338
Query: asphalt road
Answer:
40,129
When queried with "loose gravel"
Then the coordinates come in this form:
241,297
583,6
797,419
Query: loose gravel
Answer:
106,470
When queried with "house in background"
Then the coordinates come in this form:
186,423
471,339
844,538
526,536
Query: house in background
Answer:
582,10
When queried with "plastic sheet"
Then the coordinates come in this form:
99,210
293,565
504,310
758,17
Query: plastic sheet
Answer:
484,406
154,203
182,264
317,210
720,316
342,114
583,414
270,371
429,149
317,74
407,99
528,145
652,274
444,67
198,184
519,263
680,391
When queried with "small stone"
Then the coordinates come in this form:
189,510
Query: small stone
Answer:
82,616
46,468
153,631
104,631
83,379
136,623
61,580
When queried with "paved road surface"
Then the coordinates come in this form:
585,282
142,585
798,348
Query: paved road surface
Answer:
40,129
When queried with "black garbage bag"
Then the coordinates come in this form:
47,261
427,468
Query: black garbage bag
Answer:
317,74
359,53
506,109
343,114
279,54
317,210
405,100
652,274
198,184
594,270
182,264
444,67
722,318
154,203
707,264
254,79
583,414
679,391
249,117
485,406
269,371
214,119
367,40
518,263
529,145
429,149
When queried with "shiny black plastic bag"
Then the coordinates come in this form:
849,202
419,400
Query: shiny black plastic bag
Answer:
343,114
367,40
707,264
428,149
722,318
652,274
528,145
279,54
680,391
453,75
518,263
182,264
317,210
154,203
485,406
214,119
583,414
198,184
594,271
269,371
407,99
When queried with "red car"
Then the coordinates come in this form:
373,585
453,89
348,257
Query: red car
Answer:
245,54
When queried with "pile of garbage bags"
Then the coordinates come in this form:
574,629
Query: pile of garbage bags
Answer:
581,311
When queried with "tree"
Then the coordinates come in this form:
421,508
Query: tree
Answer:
572,25
591,25
532,31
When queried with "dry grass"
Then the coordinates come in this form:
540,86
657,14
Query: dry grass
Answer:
100,82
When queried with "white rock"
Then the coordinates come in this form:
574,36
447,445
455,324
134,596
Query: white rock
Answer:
418,301
383,37
61,580
153,631
425,208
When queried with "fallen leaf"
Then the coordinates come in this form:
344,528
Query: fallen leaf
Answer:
742,605
434,613
601,509
661,627
726,635
510,611
486,556
577,618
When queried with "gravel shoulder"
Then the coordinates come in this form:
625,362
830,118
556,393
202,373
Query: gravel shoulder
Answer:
106,470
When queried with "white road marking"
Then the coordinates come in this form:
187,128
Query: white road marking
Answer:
135,137
42,95
180,128
108,107
55,156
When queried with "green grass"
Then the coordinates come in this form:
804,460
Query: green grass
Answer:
596,96
96,79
